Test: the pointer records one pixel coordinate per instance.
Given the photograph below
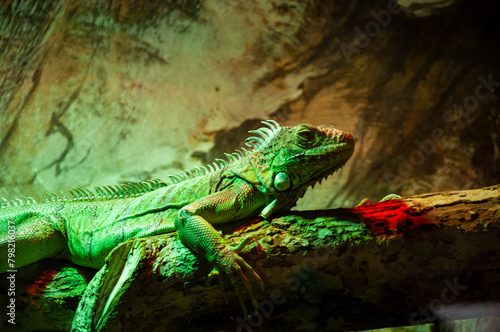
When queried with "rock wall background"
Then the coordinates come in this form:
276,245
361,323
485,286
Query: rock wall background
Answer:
102,92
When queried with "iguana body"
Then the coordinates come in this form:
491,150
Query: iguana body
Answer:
269,178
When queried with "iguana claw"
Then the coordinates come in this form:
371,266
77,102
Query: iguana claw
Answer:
239,273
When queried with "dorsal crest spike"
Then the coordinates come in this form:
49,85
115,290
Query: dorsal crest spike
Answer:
265,132
153,183
131,189
240,153
123,190
99,192
255,138
222,162
126,190
230,157
109,193
179,177
272,124
252,144
81,193
260,132
89,194
112,191
135,190
140,187
120,190
74,193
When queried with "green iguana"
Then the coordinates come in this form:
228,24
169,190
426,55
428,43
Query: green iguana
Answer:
267,178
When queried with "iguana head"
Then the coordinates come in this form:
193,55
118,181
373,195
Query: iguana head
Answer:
304,155
290,159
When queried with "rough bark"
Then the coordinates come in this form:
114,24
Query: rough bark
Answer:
383,264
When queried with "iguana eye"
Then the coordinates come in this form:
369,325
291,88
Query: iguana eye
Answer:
305,137
282,181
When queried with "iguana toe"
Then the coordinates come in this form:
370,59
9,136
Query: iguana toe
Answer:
390,197
241,276
364,201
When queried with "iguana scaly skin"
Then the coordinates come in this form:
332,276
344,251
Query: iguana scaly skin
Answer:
269,177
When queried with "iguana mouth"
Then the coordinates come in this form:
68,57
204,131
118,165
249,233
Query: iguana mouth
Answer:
335,162
334,155
339,148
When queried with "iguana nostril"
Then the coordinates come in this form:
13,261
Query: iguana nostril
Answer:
345,138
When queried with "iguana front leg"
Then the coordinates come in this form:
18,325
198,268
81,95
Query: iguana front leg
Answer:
193,224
